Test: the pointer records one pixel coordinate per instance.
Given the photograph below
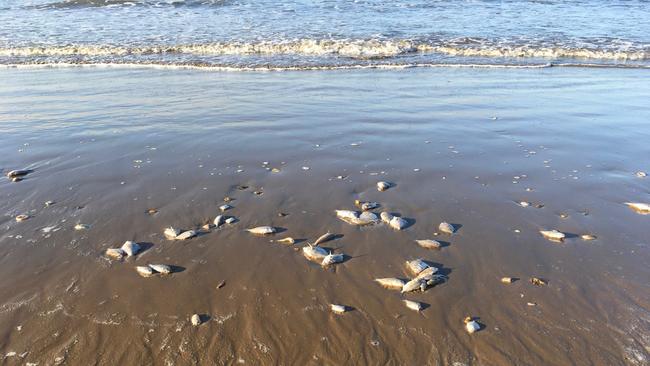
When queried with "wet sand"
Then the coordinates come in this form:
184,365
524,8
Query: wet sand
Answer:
106,145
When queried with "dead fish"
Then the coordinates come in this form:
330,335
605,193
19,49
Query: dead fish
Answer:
228,199
49,203
412,285
524,204
641,174
195,320
18,173
507,279
262,230
223,208
429,244
186,235
332,259
206,227
314,254
323,238
416,266
386,217
641,208
152,211
366,218
471,325
231,220
161,268
365,206
115,253
81,227
446,228
552,235
347,214
427,273
144,271
338,309
219,220
538,281
382,186
398,223
587,237
21,218
221,284
413,305
288,240
391,283
130,248
564,215
171,233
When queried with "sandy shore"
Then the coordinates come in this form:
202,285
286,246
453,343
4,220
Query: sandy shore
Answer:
462,146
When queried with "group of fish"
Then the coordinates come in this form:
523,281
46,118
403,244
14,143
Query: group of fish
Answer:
423,274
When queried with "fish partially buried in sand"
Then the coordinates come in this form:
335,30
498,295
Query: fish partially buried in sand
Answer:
429,243
553,235
640,208
262,230
17,175
391,283
446,228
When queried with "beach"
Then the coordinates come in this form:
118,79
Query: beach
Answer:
463,145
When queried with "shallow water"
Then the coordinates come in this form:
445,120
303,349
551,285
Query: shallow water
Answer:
462,145
324,34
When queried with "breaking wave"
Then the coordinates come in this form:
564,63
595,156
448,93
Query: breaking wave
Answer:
355,49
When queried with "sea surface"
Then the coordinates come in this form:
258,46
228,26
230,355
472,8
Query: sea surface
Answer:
265,34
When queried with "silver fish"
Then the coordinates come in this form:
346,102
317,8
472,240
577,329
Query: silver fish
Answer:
429,243
161,268
391,283
130,248
262,230
314,254
332,259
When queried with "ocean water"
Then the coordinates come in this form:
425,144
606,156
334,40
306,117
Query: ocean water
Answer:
301,34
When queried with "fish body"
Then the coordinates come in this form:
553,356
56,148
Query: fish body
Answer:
429,244
130,248
171,233
262,230
413,305
186,235
398,223
641,208
144,271
314,254
416,266
161,268
391,283
553,235
332,259
446,228
382,186
338,309
323,238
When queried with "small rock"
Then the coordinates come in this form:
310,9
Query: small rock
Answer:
398,223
